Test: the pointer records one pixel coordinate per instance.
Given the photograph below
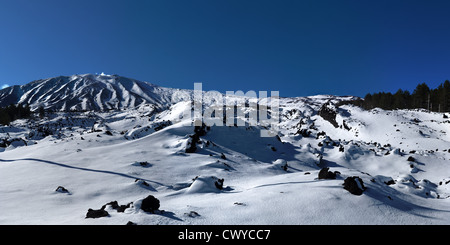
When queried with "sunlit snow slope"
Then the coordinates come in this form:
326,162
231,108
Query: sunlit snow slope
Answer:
86,92
402,157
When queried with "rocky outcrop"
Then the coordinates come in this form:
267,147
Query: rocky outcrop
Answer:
328,111
354,185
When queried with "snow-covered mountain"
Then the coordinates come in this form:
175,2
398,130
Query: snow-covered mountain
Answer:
331,162
87,92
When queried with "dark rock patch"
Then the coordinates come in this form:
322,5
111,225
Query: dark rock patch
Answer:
96,213
150,204
201,130
354,185
144,164
115,205
192,214
162,125
219,184
325,174
390,182
328,112
322,133
142,182
191,145
61,189
304,132
346,127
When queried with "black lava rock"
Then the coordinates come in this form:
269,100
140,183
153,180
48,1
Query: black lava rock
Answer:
304,132
115,205
96,213
328,112
354,185
191,146
62,189
150,204
325,174
219,184
200,130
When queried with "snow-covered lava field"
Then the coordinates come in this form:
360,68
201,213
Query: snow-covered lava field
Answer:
232,175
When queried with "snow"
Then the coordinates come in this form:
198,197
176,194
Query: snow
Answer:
266,181
98,92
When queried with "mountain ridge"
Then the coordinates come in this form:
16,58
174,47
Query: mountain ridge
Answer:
86,92
102,92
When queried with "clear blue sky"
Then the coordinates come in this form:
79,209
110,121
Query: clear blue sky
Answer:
296,47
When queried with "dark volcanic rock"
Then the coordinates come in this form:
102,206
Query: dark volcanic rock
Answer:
201,130
96,213
325,174
328,112
191,145
219,184
150,204
411,159
304,132
354,185
62,189
115,205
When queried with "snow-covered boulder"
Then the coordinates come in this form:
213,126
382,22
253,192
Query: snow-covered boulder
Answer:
280,164
204,184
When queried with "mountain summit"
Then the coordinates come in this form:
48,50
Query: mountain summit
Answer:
86,92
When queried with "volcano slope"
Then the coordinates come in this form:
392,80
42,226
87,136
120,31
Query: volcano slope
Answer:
233,176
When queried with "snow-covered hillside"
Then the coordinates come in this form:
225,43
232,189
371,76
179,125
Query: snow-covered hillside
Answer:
232,175
87,92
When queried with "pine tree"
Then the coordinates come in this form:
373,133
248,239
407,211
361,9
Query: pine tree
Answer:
368,103
420,96
4,117
402,99
446,97
13,112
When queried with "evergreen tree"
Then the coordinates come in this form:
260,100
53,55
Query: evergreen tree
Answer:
368,102
13,112
4,117
401,99
445,99
420,96
437,99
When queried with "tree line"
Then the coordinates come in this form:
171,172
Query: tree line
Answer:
437,100
13,112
